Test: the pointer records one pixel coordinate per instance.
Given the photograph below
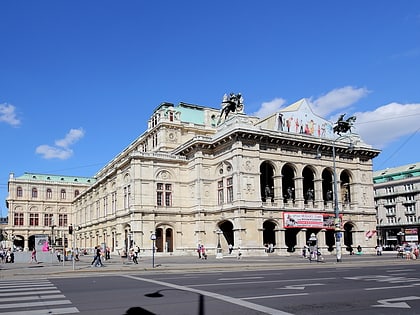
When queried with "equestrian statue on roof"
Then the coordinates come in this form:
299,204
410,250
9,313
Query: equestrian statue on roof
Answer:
343,126
231,103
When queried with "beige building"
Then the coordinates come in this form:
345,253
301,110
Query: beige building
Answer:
397,199
198,177
41,204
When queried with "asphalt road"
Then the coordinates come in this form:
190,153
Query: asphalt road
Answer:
388,288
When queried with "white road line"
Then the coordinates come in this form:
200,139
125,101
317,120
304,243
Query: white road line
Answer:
27,289
390,288
256,282
8,287
30,292
272,296
34,304
241,278
50,311
256,307
32,297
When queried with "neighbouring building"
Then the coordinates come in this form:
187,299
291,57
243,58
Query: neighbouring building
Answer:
197,176
41,204
397,200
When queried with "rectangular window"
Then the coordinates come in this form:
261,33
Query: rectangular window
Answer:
220,196
48,219
33,219
34,193
49,193
229,189
164,194
62,219
18,219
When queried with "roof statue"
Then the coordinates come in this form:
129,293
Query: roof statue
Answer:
343,126
231,103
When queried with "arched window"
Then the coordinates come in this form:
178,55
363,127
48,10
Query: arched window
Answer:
19,192
49,193
34,193
63,194
76,193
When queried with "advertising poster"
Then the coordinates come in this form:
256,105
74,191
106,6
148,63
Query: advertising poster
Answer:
411,235
308,220
41,243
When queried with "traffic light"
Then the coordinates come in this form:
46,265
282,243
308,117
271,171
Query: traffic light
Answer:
70,229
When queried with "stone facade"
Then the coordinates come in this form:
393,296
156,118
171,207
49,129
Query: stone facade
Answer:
195,178
397,199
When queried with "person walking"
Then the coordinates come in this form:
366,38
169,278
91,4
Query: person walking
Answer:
97,258
33,256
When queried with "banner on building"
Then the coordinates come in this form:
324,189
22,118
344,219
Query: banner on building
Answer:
309,220
411,235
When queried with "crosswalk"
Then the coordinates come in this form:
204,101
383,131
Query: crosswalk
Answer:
33,297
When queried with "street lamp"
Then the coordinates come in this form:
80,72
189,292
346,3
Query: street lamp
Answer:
341,126
219,253
153,238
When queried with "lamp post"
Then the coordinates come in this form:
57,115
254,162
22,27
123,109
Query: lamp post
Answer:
219,253
153,238
336,210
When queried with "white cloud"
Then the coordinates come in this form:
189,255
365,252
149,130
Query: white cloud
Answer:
387,123
268,108
8,115
49,152
72,137
379,127
61,150
338,99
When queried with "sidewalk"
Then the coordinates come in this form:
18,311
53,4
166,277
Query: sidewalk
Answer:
184,263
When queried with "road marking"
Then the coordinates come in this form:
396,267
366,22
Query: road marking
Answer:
52,311
300,286
397,302
34,304
30,292
257,282
272,296
393,287
27,288
244,278
256,307
32,297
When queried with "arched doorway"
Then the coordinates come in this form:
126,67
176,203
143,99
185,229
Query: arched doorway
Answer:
327,186
164,239
291,239
269,236
266,182
227,229
288,183
345,187
308,185
348,235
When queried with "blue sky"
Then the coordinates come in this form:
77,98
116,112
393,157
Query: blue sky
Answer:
79,79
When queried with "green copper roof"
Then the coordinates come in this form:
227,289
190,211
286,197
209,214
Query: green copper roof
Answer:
57,178
397,173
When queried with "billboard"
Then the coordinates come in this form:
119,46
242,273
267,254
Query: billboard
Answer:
309,220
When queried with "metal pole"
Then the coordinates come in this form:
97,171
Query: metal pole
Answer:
336,210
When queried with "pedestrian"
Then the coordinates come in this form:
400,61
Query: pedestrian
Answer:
199,251
136,251
359,250
76,254
203,252
97,258
33,256
379,250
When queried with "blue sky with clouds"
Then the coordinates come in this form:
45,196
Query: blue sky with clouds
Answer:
79,79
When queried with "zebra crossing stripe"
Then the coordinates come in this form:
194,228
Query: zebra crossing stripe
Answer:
52,291
34,304
52,311
32,297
